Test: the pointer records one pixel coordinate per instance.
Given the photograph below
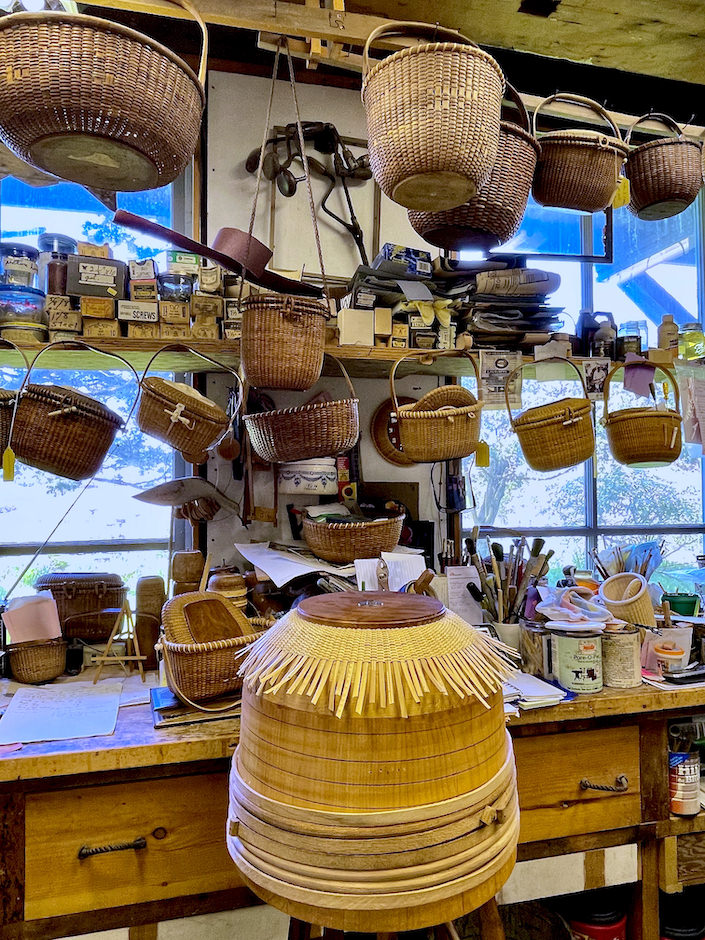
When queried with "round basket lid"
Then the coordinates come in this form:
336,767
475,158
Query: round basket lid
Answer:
380,609
384,431
174,393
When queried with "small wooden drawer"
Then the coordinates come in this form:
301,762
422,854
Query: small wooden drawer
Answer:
179,821
550,769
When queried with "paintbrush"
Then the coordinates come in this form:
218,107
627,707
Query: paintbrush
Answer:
531,569
497,579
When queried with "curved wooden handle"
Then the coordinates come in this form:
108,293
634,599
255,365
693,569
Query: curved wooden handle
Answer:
622,365
183,347
347,378
396,28
513,95
580,100
203,63
512,376
438,353
659,117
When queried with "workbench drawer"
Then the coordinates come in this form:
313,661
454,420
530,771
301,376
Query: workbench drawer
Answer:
550,769
180,821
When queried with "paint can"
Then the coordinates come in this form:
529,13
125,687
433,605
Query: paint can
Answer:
621,658
576,660
684,782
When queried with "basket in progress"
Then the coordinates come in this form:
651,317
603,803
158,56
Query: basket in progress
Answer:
433,115
444,423
558,435
578,169
494,215
114,110
323,429
37,661
665,175
343,542
339,691
626,596
643,437
282,341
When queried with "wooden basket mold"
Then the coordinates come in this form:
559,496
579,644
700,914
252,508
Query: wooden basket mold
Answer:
445,423
665,175
557,435
643,437
178,415
116,110
433,114
493,216
343,542
283,338
578,169
37,661
323,429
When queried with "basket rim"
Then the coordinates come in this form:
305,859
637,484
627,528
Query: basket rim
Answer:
212,646
664,142
434,47
263,416
15,20
59,394
271,299
509,127
626,414
529,420
446,413
35,644
585,139
340,526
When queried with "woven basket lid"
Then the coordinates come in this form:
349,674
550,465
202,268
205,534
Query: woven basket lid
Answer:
80,581
554,411
630,414
62,395
585,138
174,393
446,396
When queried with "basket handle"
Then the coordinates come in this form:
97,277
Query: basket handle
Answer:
203,62
422,354
622,365
660,118
517,371
348,381
396,28
184,348
160,647
512,95
7,342
584,102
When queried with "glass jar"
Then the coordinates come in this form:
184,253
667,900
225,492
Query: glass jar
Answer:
52,242
19,264
691,341
56,273
22,305
175,287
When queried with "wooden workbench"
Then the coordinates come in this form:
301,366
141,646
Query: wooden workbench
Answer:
168,790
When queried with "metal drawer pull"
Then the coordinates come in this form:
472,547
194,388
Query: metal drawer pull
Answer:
621,785
86,851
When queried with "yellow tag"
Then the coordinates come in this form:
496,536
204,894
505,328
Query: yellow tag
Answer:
8,465
112,291
621,194
482,454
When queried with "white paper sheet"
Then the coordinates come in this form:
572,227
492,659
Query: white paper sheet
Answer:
460,601
403,567
61,712
282,567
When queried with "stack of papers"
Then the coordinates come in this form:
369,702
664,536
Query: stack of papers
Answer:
531,692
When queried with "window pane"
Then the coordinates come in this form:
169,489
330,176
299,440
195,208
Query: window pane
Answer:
545,230
679,553
568,550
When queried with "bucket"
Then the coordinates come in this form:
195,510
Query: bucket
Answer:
686,605
626,596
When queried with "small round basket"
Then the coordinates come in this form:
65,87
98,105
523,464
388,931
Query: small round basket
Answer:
343,542
665,175
323,429
432,117
626,596
37,661
558,435
578,169
643,437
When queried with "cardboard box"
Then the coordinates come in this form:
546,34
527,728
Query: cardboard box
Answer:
232,331
424,339
62,336
56,302
182,262
96,277
662,357
143,270
400,336
231,309
400,261
206,305
201,330
94,251
174,331
210,278
65,320
143,330
446,336
172,312
383,321
100,328
139,312
143,291
356,327
99,308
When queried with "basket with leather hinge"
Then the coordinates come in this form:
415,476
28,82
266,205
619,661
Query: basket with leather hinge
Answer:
81,597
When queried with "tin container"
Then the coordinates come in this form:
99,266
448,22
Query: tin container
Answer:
684,782
577,661
621,658
318,476
534,648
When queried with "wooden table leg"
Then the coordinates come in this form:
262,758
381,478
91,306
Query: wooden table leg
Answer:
491,926
644,922
298,929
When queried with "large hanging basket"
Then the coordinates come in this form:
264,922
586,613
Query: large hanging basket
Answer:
665,175
578,169
558,435
445,423
97,103
282,343
343,542
643,437
432,117
494,215
177,414
323,429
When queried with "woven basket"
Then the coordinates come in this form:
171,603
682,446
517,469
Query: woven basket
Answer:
442,425
198,670
60,430
626,596
432,117
343,542
81,597
176,414
643,437
115,110
578,169
558,435
37,661
323,429
665,175
282,341
494,215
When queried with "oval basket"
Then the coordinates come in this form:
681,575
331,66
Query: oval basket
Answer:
432,117
323,429
115,110
37,661
578,169
494,215
445,423
557,435
343,542
282,341
643,437
665,175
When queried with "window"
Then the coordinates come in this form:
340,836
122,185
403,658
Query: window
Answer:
658,269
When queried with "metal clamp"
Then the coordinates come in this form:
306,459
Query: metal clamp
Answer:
87,852
621,785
